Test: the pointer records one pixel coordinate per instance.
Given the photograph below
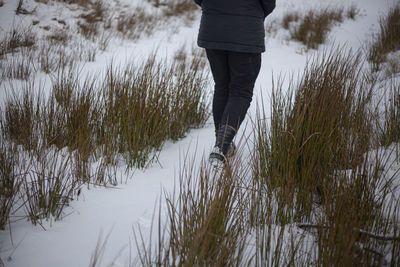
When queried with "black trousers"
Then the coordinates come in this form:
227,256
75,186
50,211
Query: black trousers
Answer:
234,75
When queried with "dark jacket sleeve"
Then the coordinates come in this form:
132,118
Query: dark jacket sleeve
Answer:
268,6
198,2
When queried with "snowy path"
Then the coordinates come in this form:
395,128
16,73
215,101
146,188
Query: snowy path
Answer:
70,242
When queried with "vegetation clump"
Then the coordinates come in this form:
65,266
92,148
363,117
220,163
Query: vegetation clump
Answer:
312,28
388,38
316,194
128,116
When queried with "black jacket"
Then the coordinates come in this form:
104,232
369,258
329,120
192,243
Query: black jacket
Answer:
234,25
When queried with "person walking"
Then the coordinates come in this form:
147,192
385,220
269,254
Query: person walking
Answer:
232,33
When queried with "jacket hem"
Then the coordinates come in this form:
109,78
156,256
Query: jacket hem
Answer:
235,47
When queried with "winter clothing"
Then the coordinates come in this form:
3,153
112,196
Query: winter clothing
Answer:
234,75
232,32
234,25
224,147
225,136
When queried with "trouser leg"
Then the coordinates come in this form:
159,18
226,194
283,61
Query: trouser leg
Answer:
234,76
243,71
218,60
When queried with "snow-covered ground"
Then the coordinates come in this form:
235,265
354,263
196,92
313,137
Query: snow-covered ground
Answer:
115,210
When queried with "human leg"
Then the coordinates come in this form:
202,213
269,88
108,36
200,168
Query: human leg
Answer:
244,69
218,60
231,102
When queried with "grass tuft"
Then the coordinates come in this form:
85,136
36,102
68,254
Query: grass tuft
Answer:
134,25
164,103
130,115
314,169
132,112
20,119
391,128
16,39
48,187
312,28
10,180
388,38
205,223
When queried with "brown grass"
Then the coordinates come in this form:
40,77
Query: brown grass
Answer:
288,18
312,28
326,129
390,132
18,123
59,36
352,12
387,39
180,8
19,67
10,180
48,187
317,194
83,3
314,168
96,13
205,222
15,39
128,115
134,25
167,116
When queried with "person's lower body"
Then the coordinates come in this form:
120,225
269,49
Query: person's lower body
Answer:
234,75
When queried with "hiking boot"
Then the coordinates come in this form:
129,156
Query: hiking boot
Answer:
223,146
217,159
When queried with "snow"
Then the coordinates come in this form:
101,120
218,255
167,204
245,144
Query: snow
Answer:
115,210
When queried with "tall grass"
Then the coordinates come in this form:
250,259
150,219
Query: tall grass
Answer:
387,39
314,169
390,132
325,128
15,39
19,67
48,187
79,132
135,110
317,194
179,8
150,105
205,222
19,120
96,21
312,28
10,180
134,25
